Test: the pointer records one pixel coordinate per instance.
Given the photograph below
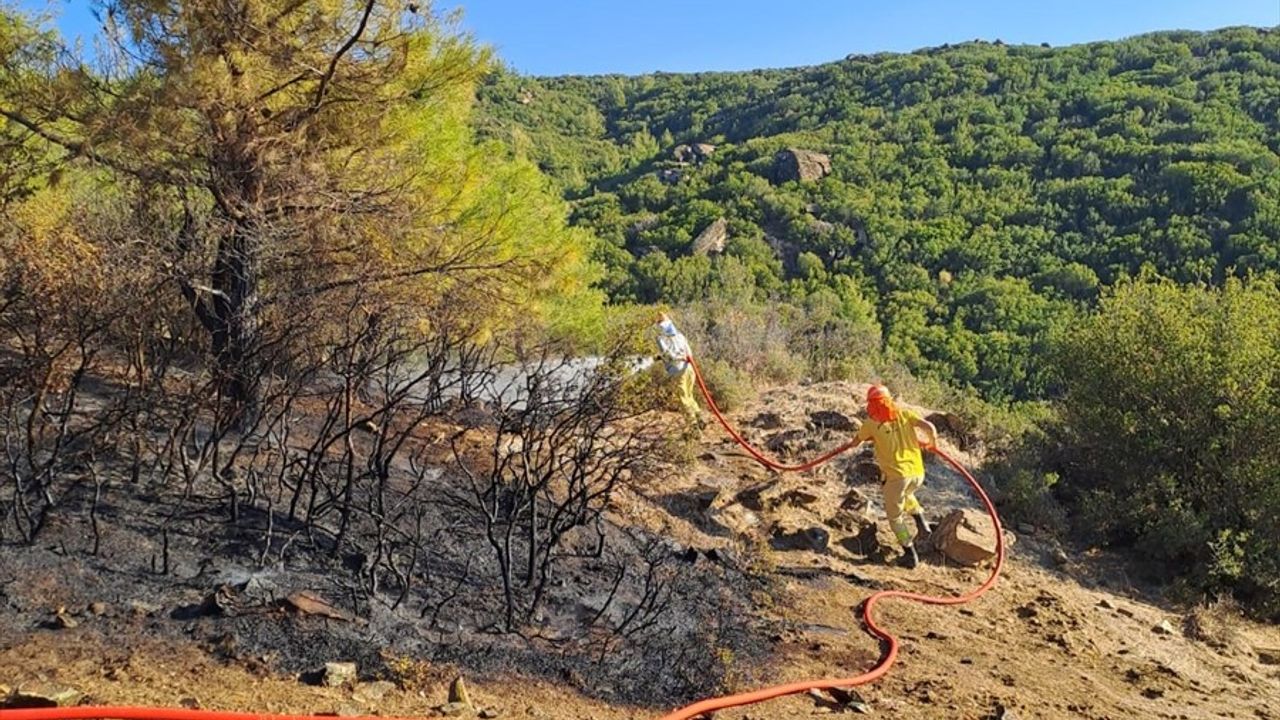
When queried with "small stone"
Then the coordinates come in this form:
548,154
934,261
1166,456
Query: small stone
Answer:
189,703
458,693
143,609
766,421
455,709
43,696
1164,627
1026,528
64,621
798,498
1004,713
813,538
1060,557
98,608
372,692
489,713
337,674
1106,604
348,710
309,603
1124,611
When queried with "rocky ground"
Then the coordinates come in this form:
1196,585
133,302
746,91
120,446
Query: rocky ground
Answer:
1065,633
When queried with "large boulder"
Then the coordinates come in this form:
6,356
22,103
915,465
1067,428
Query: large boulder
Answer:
712,238
803,165
682,153
965,537
702,151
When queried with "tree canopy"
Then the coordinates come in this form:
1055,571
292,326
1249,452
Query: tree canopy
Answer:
981,194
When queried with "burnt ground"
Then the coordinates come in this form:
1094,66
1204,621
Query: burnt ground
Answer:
1053,639
158,566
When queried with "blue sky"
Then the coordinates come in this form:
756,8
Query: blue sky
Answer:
551,37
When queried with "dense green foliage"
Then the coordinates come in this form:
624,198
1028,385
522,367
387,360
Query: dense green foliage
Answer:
1168,440
981,194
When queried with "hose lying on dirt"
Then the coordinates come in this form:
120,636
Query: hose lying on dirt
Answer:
759,456
890,643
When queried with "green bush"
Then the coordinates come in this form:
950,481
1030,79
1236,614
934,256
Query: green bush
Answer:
728,385
1168,440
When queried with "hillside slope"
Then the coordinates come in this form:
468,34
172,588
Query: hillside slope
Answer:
979,195
1052,639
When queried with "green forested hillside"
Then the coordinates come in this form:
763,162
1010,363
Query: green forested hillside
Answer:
980,194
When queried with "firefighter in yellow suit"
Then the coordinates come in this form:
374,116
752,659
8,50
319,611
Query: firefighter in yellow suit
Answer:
675,355
897,452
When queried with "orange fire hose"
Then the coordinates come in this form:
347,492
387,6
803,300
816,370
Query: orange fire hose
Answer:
759,456
890,653
704,707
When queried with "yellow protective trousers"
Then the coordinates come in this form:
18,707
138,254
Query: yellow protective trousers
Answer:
687,400
899,502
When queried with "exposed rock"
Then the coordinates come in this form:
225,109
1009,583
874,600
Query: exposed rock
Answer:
712,238
855,501
337,674
849,521
832,420
704,496
702,151
1060,557
456,709
221,601
965,536
802,165
1026,528
1164,627
1268,656
785,443
863,472
140,608
458,693
348,710
670,176
797,498
812,538
867,542
1106,604
682,153
308,603
766,421
98,608
43,695
489,714
189,703
372,692
752,498
63,621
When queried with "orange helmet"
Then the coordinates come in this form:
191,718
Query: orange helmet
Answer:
880,406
